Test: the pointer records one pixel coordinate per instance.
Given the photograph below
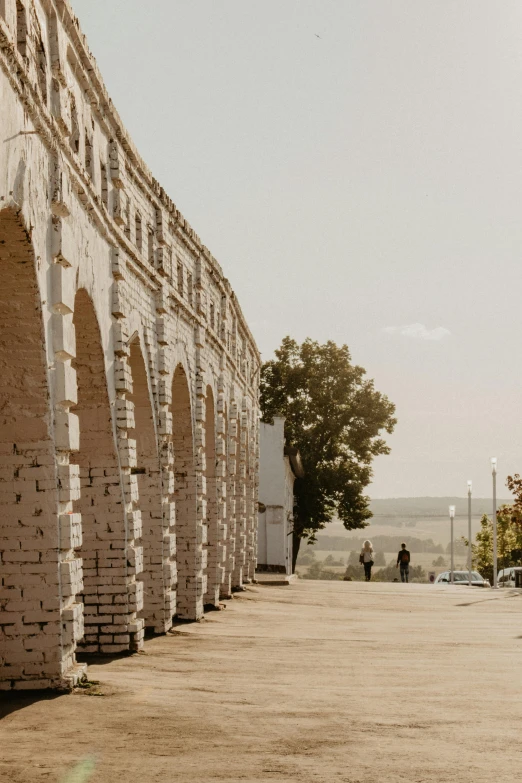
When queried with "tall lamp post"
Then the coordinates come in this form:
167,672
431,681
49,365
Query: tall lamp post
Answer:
494,474
469,531
452,517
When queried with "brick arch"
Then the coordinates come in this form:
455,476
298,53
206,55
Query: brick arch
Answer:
180,360
249,569
103,550
225,543
253,490
149,488
233,490
213,570
187,544
29,540
240,523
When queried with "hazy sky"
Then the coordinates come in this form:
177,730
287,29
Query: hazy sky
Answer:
356,168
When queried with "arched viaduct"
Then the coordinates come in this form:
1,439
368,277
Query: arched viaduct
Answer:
128,377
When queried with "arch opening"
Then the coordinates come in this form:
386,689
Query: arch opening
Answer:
250,555
103,549
149,489
232,501
213,567
240,537
29,542
185,498
225,543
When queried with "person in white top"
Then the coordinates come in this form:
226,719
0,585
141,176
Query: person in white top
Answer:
366,559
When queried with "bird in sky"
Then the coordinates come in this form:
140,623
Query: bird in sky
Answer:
317,36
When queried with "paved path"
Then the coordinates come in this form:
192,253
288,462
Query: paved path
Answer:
319,681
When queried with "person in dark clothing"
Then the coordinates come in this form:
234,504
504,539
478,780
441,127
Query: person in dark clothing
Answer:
403,561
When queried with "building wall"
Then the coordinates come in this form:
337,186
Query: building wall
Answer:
129,377
276,496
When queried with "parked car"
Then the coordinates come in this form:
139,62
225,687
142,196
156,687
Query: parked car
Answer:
508,577
462,578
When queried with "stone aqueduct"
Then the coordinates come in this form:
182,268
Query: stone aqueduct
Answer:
128,377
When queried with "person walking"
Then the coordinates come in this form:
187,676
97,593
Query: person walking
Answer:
366,559
403,560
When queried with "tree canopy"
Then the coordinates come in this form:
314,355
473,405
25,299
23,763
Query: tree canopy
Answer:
336,418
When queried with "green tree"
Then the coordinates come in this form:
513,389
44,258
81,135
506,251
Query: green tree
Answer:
306,557
509,536
336,418
459,548
509,540
439,562
353,560
316,571
379,559
482,549
355,573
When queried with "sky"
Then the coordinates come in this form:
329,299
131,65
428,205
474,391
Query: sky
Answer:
355,167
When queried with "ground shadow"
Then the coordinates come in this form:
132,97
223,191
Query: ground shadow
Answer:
100,659
12,702
497,597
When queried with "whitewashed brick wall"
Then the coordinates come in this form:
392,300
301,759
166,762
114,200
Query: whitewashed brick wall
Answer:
128,377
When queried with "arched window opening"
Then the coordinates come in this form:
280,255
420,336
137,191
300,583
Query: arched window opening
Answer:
180,283
104,182
89,160
137,231
74,138
21,28
41,65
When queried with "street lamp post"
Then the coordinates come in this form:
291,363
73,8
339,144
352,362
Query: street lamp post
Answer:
452,517
494,474
469,531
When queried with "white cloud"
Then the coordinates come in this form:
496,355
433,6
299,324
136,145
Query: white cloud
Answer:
419,331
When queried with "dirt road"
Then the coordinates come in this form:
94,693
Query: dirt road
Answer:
319,681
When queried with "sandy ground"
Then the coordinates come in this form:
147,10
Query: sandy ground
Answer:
319,681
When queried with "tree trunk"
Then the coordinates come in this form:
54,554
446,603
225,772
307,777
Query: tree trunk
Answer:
296,543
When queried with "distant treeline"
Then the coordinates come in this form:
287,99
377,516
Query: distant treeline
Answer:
380,543
424,508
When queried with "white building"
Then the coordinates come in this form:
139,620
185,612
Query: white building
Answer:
279,466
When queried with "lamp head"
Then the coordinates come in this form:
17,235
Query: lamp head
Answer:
452,512
494,464
470,484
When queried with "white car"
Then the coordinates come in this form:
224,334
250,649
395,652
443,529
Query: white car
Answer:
462,578
508,577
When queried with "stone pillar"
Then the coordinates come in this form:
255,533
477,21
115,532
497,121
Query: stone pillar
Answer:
222,479
66,433
165,609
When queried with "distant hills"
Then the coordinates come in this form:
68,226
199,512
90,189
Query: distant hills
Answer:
425,518
422,508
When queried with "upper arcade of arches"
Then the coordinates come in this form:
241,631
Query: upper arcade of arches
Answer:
64,96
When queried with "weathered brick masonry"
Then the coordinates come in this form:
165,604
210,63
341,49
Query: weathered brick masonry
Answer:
128,377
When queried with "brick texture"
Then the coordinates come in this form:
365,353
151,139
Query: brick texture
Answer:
129,378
